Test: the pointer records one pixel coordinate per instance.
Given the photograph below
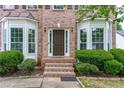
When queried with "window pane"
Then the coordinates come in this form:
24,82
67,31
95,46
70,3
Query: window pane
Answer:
98,38
58,6
17,46
31,48
83,39
32,6
31,41
17,39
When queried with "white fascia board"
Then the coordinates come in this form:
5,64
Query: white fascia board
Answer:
87,19
18,18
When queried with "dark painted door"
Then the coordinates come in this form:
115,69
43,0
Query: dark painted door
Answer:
58,42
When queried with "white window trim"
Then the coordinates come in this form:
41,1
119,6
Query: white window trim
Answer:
8,7
86,37
28,41
57,9
9,43
89,35
25,26
104,36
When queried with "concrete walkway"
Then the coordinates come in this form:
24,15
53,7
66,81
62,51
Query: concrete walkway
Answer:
20,82
36,82
57,83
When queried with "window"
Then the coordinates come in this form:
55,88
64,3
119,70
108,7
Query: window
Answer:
98,38
79,6
58,7
9,7
83,39
17,39
31,41
4,38
32,7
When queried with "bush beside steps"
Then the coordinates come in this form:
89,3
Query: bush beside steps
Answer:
96,57
27,66
86,68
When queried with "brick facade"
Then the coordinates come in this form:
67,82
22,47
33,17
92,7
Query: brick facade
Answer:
49,18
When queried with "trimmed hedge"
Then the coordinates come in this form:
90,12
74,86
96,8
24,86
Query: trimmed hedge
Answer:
113,67
118,54
27,65
9,61
96,57
86,69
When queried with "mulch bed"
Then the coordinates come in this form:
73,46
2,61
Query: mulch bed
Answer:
101,74
37,72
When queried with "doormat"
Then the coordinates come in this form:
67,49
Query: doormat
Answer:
68,79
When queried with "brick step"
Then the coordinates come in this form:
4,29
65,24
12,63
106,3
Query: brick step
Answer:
59,74
59,60
58,65
64,69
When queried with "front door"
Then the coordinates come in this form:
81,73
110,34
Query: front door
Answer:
58,42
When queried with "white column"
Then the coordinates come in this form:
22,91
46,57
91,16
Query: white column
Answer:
89,36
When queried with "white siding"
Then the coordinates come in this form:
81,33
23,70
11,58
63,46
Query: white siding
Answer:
119,41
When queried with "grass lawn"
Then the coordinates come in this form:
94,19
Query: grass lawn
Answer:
97,83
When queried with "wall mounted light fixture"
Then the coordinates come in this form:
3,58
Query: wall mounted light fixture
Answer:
72,29
44,29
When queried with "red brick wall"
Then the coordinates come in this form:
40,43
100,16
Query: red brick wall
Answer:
49,18
66,19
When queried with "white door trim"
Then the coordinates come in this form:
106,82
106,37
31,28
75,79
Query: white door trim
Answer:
66,52
50,42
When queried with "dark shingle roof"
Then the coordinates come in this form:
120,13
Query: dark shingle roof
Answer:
120,32
20,14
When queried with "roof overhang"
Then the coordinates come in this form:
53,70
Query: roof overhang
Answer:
102,19
17,18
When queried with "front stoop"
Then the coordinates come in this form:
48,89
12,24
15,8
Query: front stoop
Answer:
56,69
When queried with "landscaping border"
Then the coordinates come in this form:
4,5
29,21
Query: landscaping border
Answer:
80,82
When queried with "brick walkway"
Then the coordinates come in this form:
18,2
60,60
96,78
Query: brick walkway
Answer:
57,83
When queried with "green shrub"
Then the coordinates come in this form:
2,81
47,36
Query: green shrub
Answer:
113,67
122,72
86,69
9,61
96,57
118,54
27,65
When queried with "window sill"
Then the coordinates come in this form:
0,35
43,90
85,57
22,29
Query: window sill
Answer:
32,9
8,9
58,10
